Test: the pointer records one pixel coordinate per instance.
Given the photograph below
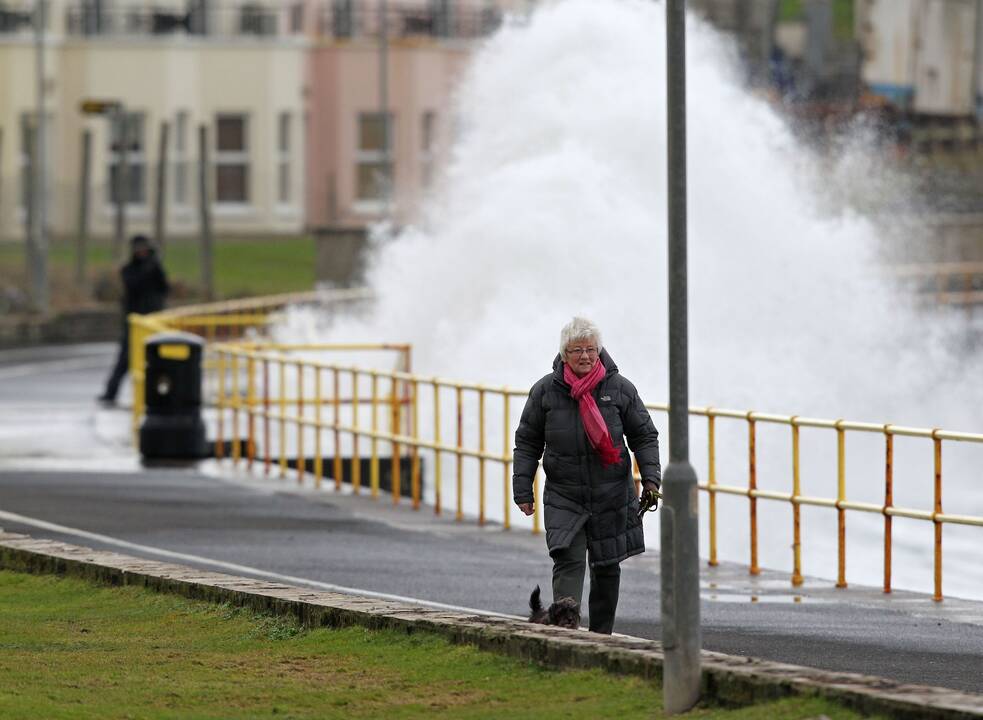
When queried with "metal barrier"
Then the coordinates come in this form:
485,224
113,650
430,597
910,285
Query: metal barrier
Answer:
219,321
840,503
400,389
253,399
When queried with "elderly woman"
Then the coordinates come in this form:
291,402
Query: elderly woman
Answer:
581,413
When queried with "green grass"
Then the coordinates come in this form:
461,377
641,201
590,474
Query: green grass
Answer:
790,10
70,649
794,10
243,267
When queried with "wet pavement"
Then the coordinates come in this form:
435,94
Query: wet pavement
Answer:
68,471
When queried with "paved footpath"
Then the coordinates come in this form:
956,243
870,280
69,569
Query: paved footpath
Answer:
727,679
67,473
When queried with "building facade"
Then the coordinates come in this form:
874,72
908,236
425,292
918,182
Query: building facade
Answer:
291,95
924,56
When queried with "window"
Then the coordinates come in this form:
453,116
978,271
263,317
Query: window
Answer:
182,163
297,18
231,159
374,168
283,159
341,21
128,129
428,133
254,19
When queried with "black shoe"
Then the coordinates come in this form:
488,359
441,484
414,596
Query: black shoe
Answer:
106,401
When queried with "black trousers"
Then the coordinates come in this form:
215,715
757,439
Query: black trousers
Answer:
122,365
605,581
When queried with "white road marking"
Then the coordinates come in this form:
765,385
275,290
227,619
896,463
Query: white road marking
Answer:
233,567
38,368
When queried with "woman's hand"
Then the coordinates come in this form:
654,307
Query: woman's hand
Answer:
648,485
650,497
527,508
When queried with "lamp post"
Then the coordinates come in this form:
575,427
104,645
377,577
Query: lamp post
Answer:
679,520
37,246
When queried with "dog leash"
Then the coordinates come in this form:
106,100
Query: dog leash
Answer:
648,501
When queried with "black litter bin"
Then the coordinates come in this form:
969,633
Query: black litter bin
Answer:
173,428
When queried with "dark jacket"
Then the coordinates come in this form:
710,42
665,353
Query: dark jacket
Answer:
144,285
578,488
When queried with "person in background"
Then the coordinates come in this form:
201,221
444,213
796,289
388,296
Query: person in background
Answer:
581,414
145,288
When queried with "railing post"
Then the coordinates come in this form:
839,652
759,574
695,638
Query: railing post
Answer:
250,410
481,460
460,458
415,449
394,430
506,447
937,510
338,471
283,417
712,484
437,442
356,457
318,455
796,509
301,460
374,463
236,444
219,429
888,503
840,499
138,374
752,485
266,416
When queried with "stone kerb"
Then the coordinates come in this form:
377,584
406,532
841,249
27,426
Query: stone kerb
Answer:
726,679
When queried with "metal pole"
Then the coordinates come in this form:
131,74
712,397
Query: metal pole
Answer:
38,247
388,174
29,205
679,518
122,191
205,208
1,178
81,248
160,205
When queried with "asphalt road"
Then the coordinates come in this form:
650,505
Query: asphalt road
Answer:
62,461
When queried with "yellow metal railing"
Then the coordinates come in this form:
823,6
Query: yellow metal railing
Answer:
382,408
218,321
392,390
435,388
840,503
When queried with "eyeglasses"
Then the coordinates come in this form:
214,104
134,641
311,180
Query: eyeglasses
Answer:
577,352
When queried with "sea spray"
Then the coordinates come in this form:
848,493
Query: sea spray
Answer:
553,203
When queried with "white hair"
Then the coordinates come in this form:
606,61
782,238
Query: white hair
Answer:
579,329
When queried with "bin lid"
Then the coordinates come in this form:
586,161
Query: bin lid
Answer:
175,338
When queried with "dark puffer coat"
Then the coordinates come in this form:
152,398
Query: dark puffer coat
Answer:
579,490
145,285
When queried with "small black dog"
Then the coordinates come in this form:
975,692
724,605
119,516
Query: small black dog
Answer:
564,612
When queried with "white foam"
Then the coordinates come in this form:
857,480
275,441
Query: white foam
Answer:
554,203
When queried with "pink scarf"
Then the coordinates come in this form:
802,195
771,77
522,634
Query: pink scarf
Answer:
581,389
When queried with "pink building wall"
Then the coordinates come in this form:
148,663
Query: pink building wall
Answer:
343,81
